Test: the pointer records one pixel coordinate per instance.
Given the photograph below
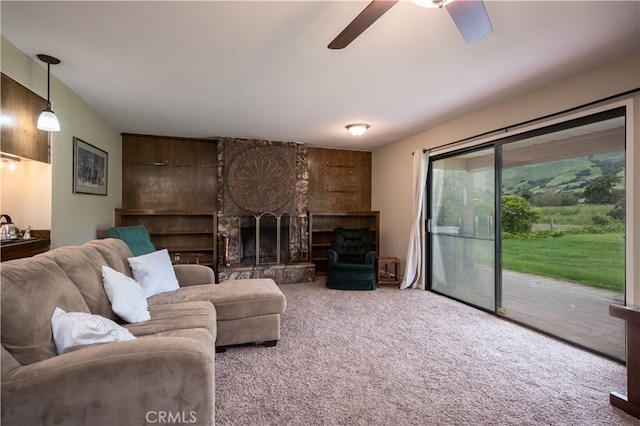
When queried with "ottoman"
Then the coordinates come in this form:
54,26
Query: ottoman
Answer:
247,310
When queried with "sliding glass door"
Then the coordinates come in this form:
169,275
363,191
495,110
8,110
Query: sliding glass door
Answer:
560,274
462,227
532,227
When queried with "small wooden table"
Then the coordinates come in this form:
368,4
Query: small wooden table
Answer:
385,274
630,403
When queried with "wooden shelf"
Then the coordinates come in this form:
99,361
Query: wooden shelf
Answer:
156,212
321,225
179,231
179,249
193,232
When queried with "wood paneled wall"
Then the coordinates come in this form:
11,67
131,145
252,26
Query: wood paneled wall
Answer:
339,180
168,173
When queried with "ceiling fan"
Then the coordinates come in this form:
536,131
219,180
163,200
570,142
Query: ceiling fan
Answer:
470,16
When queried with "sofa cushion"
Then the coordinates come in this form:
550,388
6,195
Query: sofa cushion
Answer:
126,296
76,330
177,316
232,299
115,252
201,335
154,272
83,266
116,384
31,289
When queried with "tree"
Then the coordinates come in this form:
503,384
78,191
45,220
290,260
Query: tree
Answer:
601,191
517,215
618,212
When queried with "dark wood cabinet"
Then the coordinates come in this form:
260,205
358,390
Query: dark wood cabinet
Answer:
23,248
182,232
39,242
321,225
168,173
20,136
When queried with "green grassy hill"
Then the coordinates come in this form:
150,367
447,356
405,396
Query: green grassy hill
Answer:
570,175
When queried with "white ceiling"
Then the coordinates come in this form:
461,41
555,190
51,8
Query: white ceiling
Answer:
262,69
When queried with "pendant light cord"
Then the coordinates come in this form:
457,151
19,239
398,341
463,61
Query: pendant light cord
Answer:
48,84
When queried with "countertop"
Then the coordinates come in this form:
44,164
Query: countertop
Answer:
16,249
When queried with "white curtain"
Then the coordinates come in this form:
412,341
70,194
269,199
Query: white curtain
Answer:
415,255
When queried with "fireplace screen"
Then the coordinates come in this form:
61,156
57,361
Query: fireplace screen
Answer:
264,239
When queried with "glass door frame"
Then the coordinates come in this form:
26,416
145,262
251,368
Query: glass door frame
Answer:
429,224
500,138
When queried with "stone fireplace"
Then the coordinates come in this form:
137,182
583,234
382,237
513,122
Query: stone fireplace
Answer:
262,210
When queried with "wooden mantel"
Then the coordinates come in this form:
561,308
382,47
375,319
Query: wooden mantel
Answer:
631,402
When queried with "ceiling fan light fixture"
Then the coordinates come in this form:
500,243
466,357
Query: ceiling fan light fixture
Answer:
357,129
48,120
431,3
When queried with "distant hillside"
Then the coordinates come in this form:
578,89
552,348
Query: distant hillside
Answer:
570,175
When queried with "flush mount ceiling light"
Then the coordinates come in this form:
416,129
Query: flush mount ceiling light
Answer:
48,120
357,129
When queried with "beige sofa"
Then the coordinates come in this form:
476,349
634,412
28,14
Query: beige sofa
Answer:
165,375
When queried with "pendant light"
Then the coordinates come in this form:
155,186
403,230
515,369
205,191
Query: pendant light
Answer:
48,120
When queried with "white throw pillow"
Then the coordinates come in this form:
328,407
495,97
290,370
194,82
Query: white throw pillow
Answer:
126,296
75,330
154,272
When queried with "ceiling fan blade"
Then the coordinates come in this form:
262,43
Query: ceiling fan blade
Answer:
471,19
368,16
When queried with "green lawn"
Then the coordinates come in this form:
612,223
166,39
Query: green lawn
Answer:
593,259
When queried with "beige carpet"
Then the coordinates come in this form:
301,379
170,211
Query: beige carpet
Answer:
392,357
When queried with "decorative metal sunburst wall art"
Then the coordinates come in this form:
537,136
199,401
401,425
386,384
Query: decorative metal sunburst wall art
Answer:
260,178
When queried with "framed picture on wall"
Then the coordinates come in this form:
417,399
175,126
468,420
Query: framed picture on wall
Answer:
90,165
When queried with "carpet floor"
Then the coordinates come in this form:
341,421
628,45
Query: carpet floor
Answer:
392,357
